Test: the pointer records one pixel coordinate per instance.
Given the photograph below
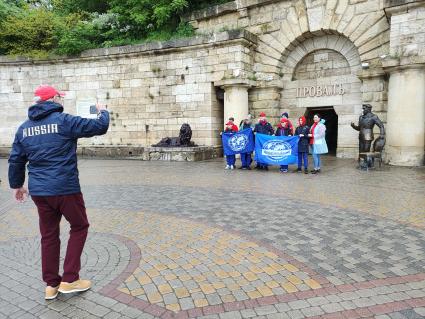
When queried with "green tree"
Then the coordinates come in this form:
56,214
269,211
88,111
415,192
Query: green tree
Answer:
79,6
31,32
8,8
97,31
40,27
137,18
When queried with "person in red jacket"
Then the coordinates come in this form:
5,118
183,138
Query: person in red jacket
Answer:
234,126
285,115
230,159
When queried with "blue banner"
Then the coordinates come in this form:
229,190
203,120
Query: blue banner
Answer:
236,143
276,150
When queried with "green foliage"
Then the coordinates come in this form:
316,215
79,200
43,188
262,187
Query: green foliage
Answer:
40,27
81,37
8,8
30,32
79,6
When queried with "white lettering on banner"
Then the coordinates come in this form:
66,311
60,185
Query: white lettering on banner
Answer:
280,153
320,90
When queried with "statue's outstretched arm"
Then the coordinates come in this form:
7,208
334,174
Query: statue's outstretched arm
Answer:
354,126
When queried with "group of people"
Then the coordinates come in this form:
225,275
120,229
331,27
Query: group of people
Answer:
310,138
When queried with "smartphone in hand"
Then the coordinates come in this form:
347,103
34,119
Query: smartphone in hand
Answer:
93,109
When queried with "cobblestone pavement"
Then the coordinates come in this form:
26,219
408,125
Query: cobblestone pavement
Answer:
190,240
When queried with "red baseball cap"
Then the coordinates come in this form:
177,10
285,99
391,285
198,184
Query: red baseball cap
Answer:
262,114
45,92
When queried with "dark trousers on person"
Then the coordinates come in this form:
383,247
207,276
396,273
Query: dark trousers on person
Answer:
303,156
50,211
230,160
246,159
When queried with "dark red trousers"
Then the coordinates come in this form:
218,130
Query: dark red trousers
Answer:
50,211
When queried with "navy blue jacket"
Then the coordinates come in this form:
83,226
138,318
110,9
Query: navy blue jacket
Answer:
48,141
303,143
244,126
264,129
280,131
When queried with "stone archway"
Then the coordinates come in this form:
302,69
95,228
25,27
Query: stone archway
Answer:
319,73
366,28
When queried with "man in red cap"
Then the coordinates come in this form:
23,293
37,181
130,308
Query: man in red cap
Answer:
48,142
263,127
230,159
234,126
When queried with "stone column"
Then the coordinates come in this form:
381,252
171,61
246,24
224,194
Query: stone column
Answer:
235,98
406,116
405,66
235,103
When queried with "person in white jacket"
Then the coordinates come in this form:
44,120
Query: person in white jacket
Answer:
317,141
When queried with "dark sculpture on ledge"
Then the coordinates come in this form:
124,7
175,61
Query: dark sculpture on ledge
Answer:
182,141
365,127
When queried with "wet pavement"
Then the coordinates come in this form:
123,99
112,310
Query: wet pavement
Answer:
191,240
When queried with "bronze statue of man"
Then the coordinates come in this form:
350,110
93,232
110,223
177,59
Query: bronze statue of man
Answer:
365,127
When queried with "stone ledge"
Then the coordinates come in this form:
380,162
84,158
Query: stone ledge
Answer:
182,154
370,73
152,153
397,3
409,62
395,7
146,48
212,11
235,82
110,151
225,8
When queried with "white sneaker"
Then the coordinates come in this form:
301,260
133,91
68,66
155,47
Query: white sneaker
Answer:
227,167
232,167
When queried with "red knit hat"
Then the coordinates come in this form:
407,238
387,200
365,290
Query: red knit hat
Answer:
45,92
262,114
284,120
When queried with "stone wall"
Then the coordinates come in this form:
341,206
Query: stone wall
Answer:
151,90
408,32
320,64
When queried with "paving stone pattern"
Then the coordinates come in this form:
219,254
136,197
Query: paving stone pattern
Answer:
186,240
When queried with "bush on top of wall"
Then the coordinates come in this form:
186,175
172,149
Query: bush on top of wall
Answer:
40,28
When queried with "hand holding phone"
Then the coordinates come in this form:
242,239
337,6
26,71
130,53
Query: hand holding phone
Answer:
100,107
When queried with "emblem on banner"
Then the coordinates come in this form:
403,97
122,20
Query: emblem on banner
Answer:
276,150
238,142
